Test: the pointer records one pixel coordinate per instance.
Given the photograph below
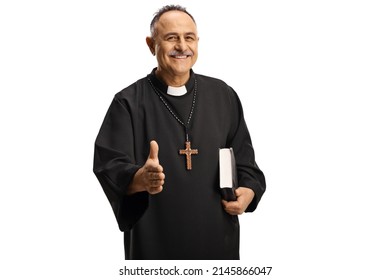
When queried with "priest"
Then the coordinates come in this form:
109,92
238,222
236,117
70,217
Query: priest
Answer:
156,154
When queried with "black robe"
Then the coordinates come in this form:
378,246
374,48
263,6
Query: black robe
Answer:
186,220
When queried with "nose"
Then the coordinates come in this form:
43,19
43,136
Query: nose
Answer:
181,45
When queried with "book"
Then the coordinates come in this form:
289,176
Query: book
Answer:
227,174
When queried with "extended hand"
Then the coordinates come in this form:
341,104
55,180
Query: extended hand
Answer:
244,198
149,177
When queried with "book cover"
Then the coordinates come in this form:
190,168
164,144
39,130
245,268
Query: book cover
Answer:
227,174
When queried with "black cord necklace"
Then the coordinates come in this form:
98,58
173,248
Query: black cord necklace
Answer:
187,151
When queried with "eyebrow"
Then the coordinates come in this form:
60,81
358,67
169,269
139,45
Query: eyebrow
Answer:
176,34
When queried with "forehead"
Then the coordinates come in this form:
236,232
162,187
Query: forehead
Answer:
175,21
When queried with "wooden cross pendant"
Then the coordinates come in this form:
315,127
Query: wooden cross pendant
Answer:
188,152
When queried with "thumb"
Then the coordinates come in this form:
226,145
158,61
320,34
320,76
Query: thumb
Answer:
153,154
238,191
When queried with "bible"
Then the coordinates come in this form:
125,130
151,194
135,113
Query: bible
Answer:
227,174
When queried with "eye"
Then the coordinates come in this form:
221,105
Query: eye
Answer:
190,38
171,38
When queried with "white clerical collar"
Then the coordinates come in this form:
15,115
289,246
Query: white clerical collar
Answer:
177,91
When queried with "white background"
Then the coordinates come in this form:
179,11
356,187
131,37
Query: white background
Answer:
313,77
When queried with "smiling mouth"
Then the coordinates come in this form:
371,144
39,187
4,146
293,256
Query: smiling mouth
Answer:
180,56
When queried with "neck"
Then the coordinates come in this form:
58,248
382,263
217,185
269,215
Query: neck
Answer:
173,80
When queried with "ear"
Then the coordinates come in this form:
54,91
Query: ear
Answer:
150,43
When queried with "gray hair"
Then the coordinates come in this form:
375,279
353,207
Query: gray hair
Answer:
162,11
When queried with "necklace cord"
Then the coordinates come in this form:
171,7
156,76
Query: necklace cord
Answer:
160,95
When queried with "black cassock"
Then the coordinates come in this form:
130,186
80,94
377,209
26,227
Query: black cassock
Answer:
186,220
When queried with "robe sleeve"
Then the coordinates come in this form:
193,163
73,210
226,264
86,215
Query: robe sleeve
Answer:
248,173
114,165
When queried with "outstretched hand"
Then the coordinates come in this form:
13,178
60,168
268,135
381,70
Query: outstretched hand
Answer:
149,177
244,198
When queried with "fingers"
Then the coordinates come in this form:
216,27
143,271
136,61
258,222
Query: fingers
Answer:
233,207
155,174
244,198
154,179
156,190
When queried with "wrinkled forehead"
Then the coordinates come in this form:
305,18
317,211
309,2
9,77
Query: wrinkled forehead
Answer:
175,21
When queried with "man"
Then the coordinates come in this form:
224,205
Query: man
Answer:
156,155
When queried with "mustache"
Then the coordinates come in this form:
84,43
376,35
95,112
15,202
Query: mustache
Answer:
178,53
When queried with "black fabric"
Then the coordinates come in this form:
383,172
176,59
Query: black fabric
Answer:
186,220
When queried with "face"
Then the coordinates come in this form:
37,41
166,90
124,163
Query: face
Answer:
175,45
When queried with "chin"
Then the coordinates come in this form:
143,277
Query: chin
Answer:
183,68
